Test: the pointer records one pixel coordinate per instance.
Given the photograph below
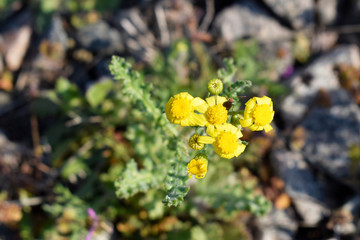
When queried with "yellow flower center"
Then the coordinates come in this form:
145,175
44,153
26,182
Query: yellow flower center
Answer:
180,108
262,115
197,167
227,142
216,114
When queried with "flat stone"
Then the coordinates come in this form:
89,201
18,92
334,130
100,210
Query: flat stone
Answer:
100,37
321,76
15,40
327,10
330,132
139,41
299,14
276,225
308,194
248,19
57,33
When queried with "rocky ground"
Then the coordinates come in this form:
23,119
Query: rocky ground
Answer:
313,44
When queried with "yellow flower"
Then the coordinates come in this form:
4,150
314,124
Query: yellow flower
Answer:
214,111
198,166
258,114
225,140
180,110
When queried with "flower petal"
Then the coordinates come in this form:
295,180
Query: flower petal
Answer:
263,100
219,100
228,156
238,133
246,122
226,127
239,150
199,105
167,109
256,128
206,139
210,130
184,95
197,119
268,128
250,103
211,101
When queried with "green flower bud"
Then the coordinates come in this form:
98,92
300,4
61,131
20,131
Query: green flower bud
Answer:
201,156
194,144
235,120
215,86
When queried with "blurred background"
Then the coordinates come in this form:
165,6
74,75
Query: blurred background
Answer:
68,131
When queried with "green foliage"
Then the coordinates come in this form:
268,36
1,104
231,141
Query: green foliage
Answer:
132,181
97,93
176,179
114,148
134,86
248,66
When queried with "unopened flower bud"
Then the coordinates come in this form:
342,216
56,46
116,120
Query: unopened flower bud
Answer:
215,86
235,120
194,144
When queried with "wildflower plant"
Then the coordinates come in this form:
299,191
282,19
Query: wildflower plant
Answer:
213,121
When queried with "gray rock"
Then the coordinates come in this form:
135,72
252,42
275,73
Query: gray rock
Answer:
327,10
10,153
308,194
4,99
15,40
56,32
330,132
280,64
100,37
276,225
299,14
296,104
248,19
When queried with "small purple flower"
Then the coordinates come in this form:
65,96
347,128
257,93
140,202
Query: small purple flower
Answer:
95,221
288,72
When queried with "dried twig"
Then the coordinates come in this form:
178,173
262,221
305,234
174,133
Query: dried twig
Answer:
209,15
26,202
163,28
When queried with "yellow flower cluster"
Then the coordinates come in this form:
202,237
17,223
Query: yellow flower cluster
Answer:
185,110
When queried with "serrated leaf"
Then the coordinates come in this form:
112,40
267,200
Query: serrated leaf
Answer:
97,92
176,179
132,181
74,168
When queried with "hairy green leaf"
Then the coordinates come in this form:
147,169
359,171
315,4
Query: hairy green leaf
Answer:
97,93
133,181
176,179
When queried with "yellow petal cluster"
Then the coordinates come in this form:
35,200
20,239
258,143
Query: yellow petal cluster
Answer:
225,140
198,166
258,114
185,110
180,109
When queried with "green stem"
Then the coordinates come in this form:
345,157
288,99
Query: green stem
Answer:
236,112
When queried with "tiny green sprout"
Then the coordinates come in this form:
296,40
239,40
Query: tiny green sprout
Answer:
215,86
